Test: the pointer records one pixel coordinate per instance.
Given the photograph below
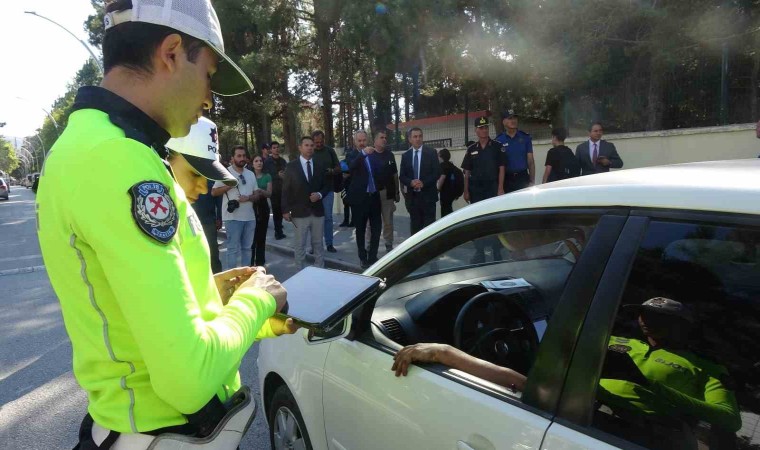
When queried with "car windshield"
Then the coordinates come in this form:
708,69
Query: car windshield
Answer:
527,245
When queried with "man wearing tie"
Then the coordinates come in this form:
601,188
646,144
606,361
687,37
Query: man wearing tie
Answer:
303,188
364,199
596,155
420,170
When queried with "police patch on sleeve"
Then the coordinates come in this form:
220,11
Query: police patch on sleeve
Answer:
154,211
620,348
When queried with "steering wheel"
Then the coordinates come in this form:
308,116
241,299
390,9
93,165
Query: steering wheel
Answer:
494,327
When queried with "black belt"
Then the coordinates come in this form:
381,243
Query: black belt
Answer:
514,174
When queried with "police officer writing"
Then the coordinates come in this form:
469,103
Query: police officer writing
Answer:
157,339
518,148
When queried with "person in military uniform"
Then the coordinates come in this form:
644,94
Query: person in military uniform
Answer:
658,384
517,147
484,168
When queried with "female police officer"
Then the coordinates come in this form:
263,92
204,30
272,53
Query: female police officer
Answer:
154,345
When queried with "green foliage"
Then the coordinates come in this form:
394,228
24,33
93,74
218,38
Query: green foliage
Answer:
8,159
635,65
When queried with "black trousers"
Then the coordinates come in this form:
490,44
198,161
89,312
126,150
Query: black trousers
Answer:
368,211
491,241
346,212
277,211
209,229
422,212
516,181
258,248
447,206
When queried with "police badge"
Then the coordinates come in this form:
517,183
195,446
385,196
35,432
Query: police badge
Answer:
154,211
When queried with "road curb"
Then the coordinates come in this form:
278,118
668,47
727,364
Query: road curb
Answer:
21,270
332,263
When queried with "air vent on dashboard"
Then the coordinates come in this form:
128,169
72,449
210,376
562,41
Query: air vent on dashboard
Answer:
394,331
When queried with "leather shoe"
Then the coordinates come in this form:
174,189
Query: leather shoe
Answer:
388,247
365,264
279,237
331,249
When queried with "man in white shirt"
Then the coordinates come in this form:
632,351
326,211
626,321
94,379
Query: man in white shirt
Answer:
237,210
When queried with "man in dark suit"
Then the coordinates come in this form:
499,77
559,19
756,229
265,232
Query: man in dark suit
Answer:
420,170
303,188
364,198
596,155
275,166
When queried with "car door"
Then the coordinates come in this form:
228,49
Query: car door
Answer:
366,406
709,263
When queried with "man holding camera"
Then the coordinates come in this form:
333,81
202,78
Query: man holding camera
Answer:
237,210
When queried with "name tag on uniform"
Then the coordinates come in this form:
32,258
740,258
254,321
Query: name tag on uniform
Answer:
474,153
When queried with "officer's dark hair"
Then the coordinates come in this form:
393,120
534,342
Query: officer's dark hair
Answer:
274,143
316,133
445,154
239,147
132,44
560,133
595,123
378,133
411,130
306,138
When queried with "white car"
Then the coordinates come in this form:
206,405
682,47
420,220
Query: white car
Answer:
549,281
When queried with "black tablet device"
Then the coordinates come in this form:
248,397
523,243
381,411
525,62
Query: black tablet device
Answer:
319,299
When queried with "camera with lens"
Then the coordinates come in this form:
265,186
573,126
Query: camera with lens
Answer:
232,205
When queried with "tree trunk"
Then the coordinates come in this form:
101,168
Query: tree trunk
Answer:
753,85
655,95
322,26
366,88
260,129
383,84
407,100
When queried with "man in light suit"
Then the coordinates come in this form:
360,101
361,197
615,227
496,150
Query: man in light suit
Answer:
420,170
596,155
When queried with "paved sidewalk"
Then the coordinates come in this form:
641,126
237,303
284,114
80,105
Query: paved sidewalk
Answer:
344,240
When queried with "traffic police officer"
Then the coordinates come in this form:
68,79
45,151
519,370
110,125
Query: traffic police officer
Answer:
660,379
517,146
157,340
483,167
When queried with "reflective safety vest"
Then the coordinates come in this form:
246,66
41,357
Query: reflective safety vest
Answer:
129,262
680,384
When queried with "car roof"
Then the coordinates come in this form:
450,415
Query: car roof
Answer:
718,186
722,186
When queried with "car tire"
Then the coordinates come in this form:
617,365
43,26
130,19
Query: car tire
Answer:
287,429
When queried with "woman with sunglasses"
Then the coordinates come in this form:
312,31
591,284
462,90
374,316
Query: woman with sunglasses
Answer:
260,204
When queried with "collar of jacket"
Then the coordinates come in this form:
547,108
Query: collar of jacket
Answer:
136,124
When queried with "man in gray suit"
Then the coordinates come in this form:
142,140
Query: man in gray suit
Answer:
596,155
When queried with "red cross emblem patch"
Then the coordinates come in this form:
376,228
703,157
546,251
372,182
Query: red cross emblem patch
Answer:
154,211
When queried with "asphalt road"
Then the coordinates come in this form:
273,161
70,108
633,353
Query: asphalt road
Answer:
41,404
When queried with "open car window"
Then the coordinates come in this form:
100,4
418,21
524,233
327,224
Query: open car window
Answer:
487,288
686,374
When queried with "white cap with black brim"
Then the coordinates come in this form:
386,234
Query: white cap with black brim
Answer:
197,19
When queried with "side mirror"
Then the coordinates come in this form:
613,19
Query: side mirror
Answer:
339,331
